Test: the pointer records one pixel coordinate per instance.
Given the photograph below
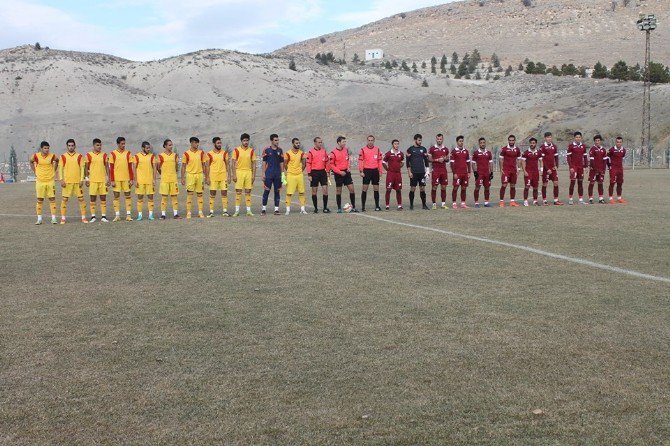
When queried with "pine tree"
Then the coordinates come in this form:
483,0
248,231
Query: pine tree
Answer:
414,70
495,60
291,65
619,71
599,71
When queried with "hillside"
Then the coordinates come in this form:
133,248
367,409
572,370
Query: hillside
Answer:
55,95
551,31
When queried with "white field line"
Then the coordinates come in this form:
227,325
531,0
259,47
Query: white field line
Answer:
578,261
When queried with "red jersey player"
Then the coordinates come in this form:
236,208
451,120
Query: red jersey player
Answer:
616,155
577,160
509,166
318,173
597,166
549,153
481,164
340,164
438,155
393,161
370,167
460,166
530,163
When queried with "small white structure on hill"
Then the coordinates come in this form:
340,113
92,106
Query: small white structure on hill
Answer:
374,54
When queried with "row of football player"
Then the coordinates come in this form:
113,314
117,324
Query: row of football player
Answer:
120,169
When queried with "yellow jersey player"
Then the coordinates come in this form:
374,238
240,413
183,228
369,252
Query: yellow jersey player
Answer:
97,172
193,175
218,176
294,163
145,176
44,165
71,168
244,173
167,165
121,177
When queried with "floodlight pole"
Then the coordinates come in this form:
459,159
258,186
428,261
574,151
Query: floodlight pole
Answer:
646,101
647,24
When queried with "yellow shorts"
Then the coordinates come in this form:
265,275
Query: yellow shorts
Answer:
144,189
97,189
45,190
72,190
194,182
218,185
244,180
169,189
295,183
121,186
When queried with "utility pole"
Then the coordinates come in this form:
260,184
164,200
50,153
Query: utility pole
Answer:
646,24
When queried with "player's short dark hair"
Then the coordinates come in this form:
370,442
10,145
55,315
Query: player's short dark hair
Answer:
44,144
67,143
547,134
418,136
395,141
317,137
482,139
120,139
511,136
598,137
215,140
165,143
619,138
145,144
439,135
532,139
341,138
273,136
577,134
193,139
97,141
371,136
294,140
244,136
459,137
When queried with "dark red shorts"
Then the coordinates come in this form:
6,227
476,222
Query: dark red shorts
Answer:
578,174
509,177
532,180
394,180
461,180
594,176
549,175
483,181
616,176
440,178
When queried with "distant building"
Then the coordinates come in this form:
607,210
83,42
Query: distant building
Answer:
374,54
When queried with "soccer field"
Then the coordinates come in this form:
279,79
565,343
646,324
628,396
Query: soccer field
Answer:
376,328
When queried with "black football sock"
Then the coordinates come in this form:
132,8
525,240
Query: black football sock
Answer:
338,199
325,201
314,201
364,196
352,198
423,197
376,195
411,198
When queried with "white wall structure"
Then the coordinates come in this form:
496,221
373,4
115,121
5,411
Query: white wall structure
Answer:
374,54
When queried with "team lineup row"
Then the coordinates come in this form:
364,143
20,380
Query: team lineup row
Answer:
217,169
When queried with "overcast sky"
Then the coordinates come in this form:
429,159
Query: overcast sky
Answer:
153,29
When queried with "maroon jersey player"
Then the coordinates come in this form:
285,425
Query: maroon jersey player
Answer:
481,165
530,163
577,159
460,166
616,156
549,153
393,161
438,155
509,166
597,166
